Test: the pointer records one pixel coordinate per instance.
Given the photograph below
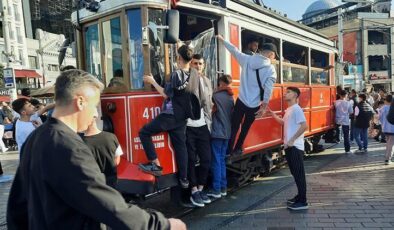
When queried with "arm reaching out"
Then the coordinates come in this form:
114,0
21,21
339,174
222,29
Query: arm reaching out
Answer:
276,117
149,79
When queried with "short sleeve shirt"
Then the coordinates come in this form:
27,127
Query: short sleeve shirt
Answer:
293,119
105,146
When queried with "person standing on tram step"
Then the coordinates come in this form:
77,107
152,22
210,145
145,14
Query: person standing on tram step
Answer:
257,80
294,127
363,114
221,132
179,104
343,109
58,183
106,150
387,128
198,137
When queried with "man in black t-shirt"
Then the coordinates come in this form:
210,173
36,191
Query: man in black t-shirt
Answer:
106,150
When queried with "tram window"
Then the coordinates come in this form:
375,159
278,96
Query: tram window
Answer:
112,49
295,66
251,43
156,45
135,47
319,67
92,51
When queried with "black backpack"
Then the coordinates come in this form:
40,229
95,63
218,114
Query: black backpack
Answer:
390,115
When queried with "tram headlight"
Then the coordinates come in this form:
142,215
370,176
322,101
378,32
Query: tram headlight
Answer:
111,107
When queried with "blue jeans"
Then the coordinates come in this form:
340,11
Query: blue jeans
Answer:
363,134
218,164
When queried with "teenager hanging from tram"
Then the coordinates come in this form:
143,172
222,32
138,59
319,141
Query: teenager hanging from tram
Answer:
257,80
180,104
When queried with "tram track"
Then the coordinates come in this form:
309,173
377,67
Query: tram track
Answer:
259,202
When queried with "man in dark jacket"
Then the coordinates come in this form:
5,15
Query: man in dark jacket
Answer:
58,184
172,118
363,113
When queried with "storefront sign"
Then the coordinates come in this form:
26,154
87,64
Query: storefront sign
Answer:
9,77
5,92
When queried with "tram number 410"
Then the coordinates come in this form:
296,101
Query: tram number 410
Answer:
151,113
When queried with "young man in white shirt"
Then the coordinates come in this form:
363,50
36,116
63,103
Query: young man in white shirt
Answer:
343,110
28,121
294,127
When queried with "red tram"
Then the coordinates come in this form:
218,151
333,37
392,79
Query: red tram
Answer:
128,38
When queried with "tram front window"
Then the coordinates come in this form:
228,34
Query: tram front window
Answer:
112,50
156,45
92,51
135,47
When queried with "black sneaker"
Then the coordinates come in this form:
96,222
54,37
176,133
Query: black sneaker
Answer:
292,200
214,194
184,183
237,152
151,168
196,199
223,192
204,197
383,141
298,206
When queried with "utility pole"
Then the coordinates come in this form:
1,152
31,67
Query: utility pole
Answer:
8,53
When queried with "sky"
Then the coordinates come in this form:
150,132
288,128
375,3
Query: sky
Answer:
293,8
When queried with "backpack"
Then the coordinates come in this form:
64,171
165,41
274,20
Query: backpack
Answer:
390,115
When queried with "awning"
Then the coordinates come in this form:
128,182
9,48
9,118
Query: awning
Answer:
44,92
24,73
5,98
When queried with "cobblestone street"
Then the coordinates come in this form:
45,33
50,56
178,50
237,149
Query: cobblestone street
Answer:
344,192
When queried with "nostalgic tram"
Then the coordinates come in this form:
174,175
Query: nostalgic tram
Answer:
119,41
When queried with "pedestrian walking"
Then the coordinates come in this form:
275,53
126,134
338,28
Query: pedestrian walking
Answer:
387,128
294,123
221,132
353,101
257,80
363,113
58,184
343,109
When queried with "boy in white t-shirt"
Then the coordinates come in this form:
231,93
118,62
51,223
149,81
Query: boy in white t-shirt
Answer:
294,127
28,121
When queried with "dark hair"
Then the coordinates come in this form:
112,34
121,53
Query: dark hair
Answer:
383,90
118,73
389,98
34,102
186,53
343,93
253,39
226,79
381,102
354,91
67,67
18,104
295,90
197,56
69,82
363,96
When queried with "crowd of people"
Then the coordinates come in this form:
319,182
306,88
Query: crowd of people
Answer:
362,116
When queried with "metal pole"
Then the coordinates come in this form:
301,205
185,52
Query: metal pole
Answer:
340,34
7,45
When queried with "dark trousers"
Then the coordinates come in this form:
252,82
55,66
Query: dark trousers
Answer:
1,169
198,143
176,129
295,160
346,138
352,129
337,133
241,112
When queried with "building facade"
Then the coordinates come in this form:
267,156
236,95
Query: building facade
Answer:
368,39
49,15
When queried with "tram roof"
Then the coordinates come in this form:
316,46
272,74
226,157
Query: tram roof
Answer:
233,7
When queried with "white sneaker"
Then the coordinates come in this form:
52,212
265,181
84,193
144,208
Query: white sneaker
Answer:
359,151
5,150
348,152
